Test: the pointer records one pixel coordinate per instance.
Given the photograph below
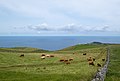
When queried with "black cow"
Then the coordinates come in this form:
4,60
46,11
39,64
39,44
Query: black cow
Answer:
84,53
99,65
22,55
103,59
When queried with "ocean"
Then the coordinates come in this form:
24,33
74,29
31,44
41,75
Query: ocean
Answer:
53,42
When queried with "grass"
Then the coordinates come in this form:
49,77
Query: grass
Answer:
114,65
83,46
32,68
23,50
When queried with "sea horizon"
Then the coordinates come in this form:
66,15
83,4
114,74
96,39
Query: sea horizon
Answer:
54,42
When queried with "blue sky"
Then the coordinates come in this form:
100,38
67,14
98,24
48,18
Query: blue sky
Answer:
60,17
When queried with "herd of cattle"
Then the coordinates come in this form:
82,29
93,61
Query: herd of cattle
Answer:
91,60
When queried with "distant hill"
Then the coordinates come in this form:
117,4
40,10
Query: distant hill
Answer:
84,46
96,43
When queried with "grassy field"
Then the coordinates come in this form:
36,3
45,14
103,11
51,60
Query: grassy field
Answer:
32,68
114,65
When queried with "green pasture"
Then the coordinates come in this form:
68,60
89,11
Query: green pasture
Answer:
113,73
32,68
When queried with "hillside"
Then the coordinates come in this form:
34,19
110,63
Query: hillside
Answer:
23,50
83,46
31,67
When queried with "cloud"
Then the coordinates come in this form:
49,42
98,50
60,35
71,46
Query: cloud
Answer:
40,27
67,28
59,28
104,28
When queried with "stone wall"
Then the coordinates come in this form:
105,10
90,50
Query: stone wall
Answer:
101,73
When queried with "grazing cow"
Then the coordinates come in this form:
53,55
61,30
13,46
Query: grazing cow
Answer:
93,59
84,53
51,55
67,62
61,60
47,55
103,59
90,59
22,55
91,63
99,65
71,59
43,57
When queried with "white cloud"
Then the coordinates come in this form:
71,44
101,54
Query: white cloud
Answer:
40,27
67,28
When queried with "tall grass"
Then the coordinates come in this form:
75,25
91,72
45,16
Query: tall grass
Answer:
114,65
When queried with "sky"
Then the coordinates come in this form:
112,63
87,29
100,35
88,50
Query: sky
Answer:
59,17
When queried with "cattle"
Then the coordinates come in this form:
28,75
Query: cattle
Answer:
93,59
47,55
90,59
84,53
51,55
43,57
61,60
71,59
22,55
99,65
103,59
91,63
67,62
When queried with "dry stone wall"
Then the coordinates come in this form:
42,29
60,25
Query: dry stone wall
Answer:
101,74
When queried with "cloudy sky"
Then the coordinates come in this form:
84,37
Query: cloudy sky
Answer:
60,17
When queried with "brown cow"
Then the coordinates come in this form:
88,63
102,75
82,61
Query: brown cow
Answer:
67,62
90,59
71,59
91,63
61,60
43,55
51,55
